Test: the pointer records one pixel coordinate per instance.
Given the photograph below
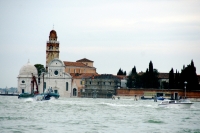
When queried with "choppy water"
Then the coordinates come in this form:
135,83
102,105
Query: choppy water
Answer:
82,115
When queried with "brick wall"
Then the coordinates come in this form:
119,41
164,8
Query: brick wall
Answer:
140,92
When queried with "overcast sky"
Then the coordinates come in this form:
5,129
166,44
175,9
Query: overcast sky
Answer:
112,33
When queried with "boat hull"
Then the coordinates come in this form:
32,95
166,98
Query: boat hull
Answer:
176,105
47,96
25,95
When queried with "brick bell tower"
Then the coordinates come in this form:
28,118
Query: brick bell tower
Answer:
52,48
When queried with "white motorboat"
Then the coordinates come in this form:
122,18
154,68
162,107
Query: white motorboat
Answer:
182,103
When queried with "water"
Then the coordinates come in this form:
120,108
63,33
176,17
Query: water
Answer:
84,115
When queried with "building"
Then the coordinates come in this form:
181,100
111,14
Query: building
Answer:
80,66
52,48
25,77
64,77
79,70
55,76
101,86
57,79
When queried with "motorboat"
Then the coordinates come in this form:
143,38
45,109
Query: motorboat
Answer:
182,103
47,95
152,98
25,95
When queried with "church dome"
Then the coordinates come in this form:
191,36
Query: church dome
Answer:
28,69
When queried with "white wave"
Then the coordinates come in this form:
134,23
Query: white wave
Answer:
116,105
29,100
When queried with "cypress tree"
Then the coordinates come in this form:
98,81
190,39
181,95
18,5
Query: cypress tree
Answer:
133,72
150,67
177,80
120,72
171,79
124,73
189,75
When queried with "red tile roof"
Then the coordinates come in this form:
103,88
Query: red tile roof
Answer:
83,75
84,60
77,64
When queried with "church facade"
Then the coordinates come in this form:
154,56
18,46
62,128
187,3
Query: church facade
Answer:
63,77
56,79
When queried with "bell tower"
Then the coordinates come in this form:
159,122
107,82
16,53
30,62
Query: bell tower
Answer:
52,48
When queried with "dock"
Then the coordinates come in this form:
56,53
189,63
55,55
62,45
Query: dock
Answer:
9,94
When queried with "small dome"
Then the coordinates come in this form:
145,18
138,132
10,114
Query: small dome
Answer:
52,35
28,69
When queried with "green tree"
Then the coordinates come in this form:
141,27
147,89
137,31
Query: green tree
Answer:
124,73
131,78
149,79
150,67
133,72
120,72
177,80
40,68
171,79
189,75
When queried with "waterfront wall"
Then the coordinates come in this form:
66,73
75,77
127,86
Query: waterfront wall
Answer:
140,92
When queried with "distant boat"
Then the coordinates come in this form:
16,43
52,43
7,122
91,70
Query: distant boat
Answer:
149,95
182,103
160,98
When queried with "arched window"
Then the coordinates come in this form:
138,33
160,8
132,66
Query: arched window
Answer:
74,92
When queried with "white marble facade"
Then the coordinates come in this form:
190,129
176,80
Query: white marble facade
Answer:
25,78
57,79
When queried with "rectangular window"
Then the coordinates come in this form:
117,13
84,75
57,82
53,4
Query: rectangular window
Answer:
55,91
22,90
66,86
44,85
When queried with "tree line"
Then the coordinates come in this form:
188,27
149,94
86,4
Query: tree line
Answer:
149,79
187,78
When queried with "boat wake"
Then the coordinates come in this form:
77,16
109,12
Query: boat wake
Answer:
29,100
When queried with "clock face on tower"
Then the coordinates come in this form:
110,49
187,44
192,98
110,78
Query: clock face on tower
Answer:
56,72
